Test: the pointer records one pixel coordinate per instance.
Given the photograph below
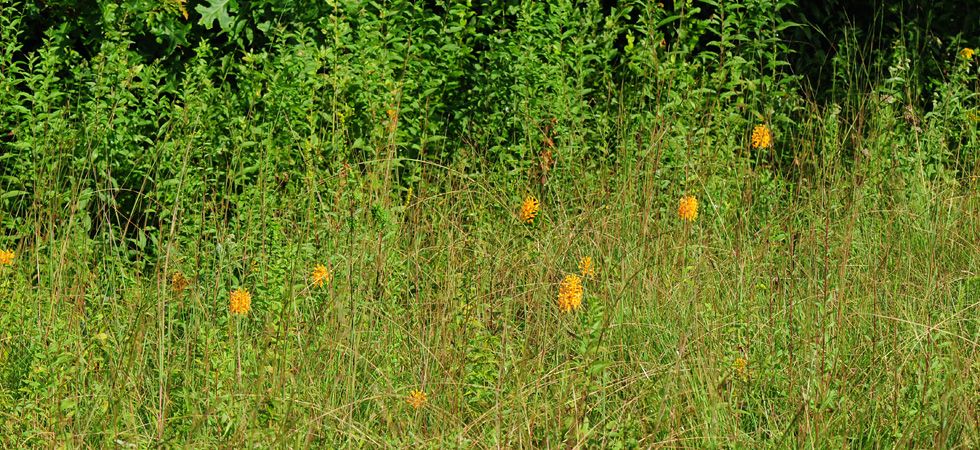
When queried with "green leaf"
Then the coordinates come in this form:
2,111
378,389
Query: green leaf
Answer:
13,193
784,25
217,11
598,366
667,20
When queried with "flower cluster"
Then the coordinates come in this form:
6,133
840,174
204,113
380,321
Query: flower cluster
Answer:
761,137
529,210
585,265
570,293
6,257
392,121
320,275
966,53
688,209
241,301
178,282
740,365
417,398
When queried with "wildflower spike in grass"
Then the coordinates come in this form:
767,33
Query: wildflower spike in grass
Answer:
320,275
688,208
241,302
586,267
178,282
6,258
417,398
740,366
570,293
529,210
761,137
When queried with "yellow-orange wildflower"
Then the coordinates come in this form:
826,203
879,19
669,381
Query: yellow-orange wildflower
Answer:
529,210
241,301
417,398
688,209
761,137
178,282
570,293
392,120
6,257
740,365
585,265
966,53
320,275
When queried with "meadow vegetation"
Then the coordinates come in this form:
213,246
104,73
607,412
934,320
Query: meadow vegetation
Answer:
398,224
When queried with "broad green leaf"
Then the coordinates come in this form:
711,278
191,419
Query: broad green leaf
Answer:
217,11
13,193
